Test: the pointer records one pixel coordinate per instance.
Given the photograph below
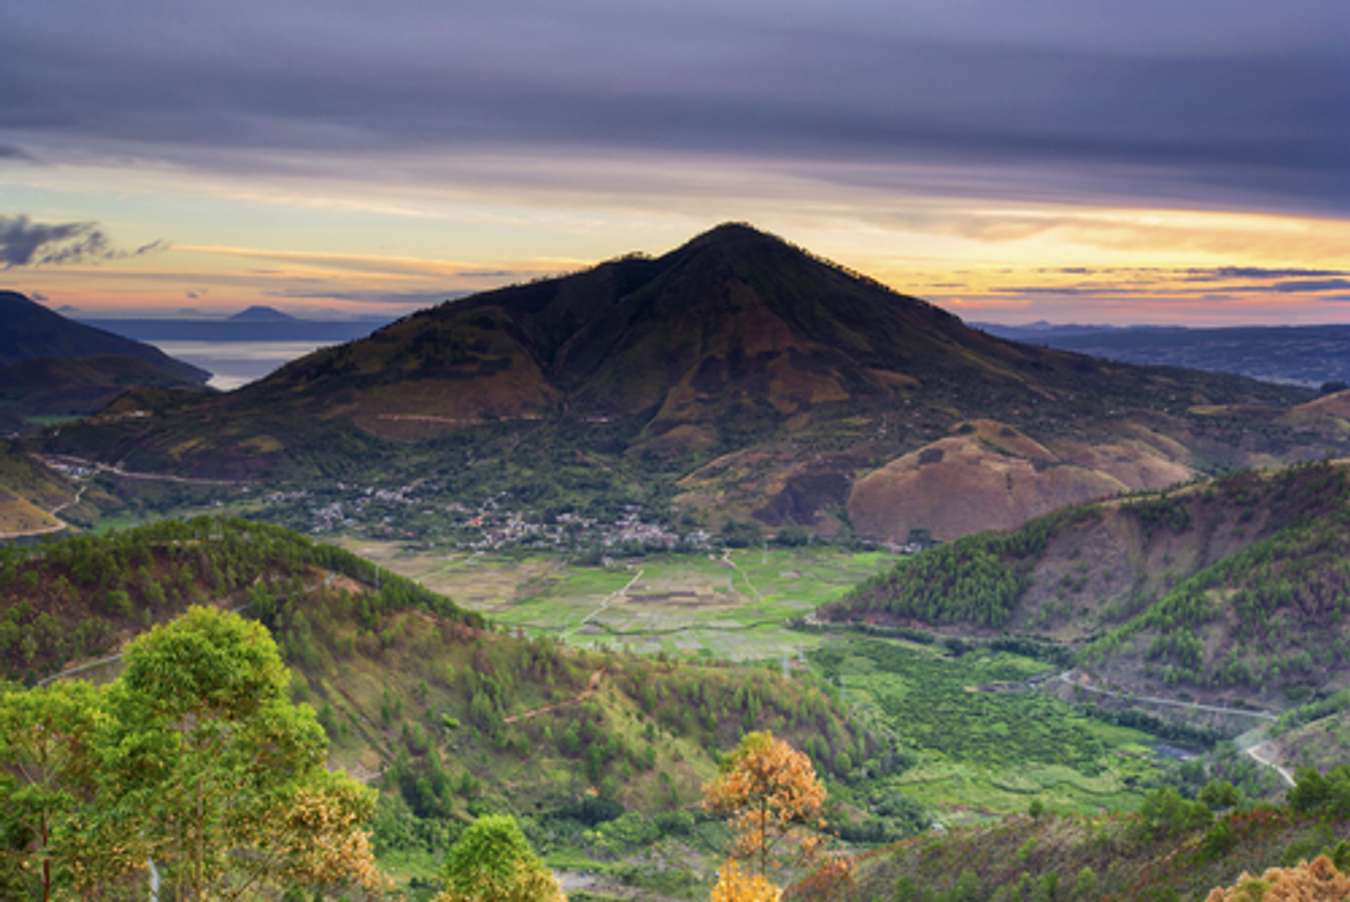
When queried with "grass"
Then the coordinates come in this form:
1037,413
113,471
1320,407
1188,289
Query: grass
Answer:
984,744
734,608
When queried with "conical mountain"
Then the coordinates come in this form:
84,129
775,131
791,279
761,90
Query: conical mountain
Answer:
734,317
737,374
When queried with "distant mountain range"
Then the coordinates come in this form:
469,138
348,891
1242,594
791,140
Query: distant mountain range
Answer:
1303,355
736,378
51,365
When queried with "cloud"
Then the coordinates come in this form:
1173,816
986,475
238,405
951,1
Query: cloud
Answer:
9,152
37,296
1034,98
1223,273
1310,285
417,298
386,265
27,243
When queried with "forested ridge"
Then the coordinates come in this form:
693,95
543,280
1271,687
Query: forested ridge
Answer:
77,597
448,715
1240,583
976,580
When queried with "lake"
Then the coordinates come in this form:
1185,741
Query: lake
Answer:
236,353
236,363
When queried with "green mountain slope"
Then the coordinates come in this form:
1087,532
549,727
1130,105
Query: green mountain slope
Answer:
1235,589
449,715
737,377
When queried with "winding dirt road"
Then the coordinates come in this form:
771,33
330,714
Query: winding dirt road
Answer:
47,530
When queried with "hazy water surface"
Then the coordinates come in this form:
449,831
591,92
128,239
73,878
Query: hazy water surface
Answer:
235,363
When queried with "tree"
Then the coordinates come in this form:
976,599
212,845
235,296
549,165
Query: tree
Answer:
735,886
1219,795
49,757
1327,795
493,862
767,790
226,773
1316,881
319,840
1166,813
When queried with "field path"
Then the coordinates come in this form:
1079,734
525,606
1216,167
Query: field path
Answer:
609,600
592,686
726,559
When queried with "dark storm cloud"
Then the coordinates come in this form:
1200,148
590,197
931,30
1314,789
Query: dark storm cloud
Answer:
27,243
1207,101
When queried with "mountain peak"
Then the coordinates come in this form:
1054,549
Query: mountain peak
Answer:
734,235
261,314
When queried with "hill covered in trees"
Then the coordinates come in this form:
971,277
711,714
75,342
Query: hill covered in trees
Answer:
603,753
1237,587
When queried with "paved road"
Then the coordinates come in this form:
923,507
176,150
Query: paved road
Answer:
1067,677
116,470
1253,745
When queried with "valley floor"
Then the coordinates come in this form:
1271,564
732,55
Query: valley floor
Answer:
1015,744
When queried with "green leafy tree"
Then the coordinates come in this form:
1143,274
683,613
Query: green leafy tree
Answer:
209,748
49,739
493,862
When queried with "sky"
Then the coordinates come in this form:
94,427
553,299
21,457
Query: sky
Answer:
1013,160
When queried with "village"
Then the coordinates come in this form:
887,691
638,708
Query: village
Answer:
414,512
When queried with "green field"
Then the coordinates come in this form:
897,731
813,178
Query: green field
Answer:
732,607
982,742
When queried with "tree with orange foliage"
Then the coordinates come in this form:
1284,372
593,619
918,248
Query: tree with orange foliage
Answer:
767,790
831,880
1316,881
735,886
